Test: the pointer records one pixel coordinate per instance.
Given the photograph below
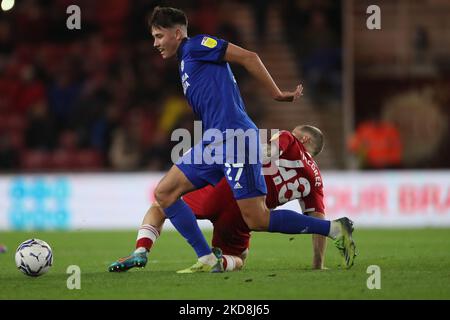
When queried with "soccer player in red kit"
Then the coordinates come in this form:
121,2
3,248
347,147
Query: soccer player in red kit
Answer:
297,177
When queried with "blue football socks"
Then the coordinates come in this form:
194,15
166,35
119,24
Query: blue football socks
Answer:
183,219
292,222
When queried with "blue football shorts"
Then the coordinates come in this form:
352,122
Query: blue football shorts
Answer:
206,164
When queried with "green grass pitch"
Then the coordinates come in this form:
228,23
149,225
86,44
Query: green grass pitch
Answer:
414,264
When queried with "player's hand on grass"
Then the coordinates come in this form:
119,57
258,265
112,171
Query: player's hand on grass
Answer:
290,96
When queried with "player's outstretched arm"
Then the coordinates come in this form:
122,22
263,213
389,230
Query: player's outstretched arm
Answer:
251,61
319,244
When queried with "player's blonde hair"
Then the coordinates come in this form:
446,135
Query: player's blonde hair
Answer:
317,139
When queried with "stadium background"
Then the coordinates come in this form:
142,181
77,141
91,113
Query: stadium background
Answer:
86,115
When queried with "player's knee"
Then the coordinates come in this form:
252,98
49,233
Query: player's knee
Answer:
164,197
159,196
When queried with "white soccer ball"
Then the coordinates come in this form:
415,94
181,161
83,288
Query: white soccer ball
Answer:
34,257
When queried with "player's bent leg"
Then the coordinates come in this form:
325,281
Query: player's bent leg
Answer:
155,216
255,213
168,193
150,229
293,222
147,235
171,187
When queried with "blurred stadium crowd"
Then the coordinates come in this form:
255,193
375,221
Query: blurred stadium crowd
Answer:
100,97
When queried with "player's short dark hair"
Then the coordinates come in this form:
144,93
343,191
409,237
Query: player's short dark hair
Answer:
167,17
316,138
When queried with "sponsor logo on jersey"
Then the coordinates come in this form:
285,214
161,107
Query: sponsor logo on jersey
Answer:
209,42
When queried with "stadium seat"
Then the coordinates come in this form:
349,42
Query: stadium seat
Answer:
35,160
17,138
15,122
62,160
89,159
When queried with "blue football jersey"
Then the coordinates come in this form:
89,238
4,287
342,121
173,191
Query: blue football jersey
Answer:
209,84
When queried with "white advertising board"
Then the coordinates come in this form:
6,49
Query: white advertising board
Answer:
119,201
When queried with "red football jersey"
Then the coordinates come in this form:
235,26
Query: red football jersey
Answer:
298,177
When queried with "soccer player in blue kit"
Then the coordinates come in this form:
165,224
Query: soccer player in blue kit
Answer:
212,92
